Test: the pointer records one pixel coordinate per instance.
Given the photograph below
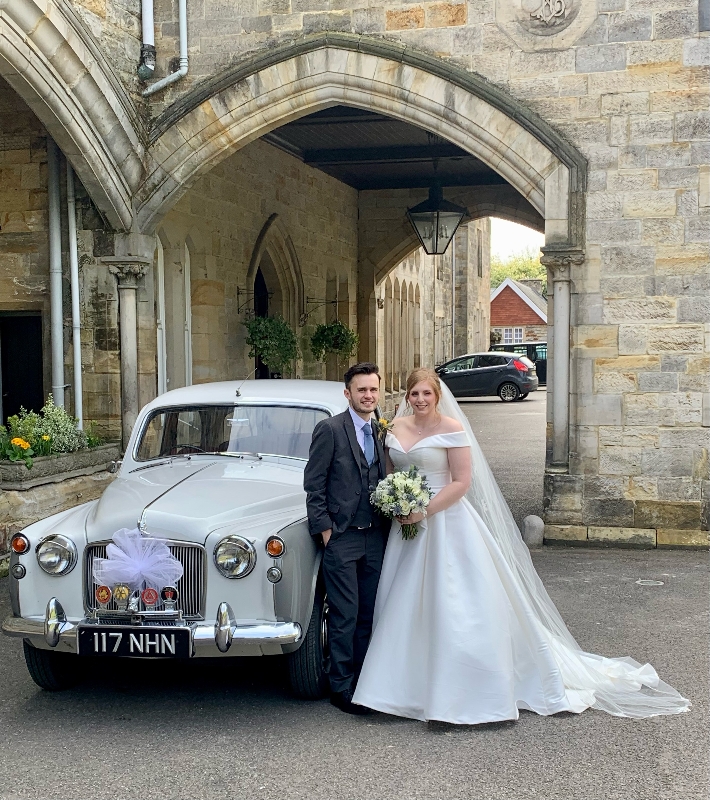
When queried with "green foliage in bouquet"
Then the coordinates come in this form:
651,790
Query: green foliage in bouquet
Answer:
272,340
334,337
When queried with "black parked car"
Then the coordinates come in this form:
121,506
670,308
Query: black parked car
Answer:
509,375
535,351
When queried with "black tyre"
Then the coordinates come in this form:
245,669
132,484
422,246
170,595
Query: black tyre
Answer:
49,670
308,666
523,396
508,392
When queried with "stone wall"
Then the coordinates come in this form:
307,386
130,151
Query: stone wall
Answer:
24,263
221,218
24,260
623,81
18,509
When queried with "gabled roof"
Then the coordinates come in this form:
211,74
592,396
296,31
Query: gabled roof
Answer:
529,296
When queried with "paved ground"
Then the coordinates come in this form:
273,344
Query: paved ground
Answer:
220,729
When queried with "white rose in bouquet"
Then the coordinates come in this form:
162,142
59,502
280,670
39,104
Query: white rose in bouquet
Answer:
401,494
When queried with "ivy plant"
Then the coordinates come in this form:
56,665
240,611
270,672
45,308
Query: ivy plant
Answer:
271,339
333,337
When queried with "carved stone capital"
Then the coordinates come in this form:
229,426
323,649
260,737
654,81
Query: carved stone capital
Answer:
559,260
127,269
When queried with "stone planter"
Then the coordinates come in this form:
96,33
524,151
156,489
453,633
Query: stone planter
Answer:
57,468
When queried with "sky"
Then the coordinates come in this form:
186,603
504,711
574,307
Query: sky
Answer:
509,238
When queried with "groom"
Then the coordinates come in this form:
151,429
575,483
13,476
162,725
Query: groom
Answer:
345,464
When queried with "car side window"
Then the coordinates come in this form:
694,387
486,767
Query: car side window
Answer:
490,360
462,363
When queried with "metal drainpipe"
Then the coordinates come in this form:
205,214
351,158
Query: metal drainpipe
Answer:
182,71
146,67
453,297
75,305
55,273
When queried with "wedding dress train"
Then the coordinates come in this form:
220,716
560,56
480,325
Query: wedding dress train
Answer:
464,631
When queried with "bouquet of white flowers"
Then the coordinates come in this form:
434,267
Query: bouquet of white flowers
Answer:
401,494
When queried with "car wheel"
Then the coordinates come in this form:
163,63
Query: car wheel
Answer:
523,396
508,392
49,670
308,666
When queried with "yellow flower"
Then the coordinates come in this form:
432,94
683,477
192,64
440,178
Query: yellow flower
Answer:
18,442
46,437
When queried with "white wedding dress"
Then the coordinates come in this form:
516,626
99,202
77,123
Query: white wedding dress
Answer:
464,631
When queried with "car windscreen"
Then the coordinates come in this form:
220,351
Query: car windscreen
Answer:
269,429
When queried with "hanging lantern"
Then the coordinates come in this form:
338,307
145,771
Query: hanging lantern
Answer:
435,221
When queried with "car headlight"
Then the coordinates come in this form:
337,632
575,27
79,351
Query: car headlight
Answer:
56,555
235,557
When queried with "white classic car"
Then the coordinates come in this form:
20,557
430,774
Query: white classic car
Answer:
214,471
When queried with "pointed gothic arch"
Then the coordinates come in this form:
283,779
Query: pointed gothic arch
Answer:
275,243
53,63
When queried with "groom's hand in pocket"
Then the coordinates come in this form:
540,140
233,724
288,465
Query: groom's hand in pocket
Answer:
326,536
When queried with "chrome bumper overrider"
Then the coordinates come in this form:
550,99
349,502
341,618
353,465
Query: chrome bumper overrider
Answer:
56,632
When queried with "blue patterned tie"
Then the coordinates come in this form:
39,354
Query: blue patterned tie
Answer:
369,443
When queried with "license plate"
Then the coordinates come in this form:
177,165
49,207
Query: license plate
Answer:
134,642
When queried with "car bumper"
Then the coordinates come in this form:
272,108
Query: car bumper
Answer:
223,637
530,385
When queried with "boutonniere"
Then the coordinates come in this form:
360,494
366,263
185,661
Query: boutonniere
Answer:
383,426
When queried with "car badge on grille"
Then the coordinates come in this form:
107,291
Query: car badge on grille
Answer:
169,595
121,595
103,595
134,601
149,597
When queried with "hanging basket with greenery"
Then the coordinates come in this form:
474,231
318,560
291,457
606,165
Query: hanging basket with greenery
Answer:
335,338
271,339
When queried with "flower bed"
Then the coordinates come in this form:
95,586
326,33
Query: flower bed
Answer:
57,467
51,432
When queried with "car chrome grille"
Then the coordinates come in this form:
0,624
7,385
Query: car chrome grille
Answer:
191,586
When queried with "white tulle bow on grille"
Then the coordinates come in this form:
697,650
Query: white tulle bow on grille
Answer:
138,562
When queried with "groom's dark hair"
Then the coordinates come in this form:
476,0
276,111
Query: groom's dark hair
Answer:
363,368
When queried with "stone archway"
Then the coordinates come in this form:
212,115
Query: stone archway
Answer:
247,101
242,104
51,61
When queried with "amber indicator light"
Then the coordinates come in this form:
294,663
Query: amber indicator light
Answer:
19,544
275,547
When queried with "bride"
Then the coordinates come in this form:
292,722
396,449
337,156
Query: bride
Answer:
464,630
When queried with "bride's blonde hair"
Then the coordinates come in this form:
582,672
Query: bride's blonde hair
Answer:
424,374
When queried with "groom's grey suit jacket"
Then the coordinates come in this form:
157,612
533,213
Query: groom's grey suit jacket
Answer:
333,478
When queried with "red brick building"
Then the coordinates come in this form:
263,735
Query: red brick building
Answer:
519,312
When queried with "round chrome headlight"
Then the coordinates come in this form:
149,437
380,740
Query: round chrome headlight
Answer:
56,555
235,557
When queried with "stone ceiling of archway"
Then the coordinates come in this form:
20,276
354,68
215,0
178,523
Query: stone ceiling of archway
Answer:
367,150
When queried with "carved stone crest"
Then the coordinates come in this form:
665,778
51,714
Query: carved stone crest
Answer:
545,24
551,13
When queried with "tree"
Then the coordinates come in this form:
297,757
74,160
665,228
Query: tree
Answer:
521,266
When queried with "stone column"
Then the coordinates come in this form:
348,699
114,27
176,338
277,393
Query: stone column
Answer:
559,261
128,270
